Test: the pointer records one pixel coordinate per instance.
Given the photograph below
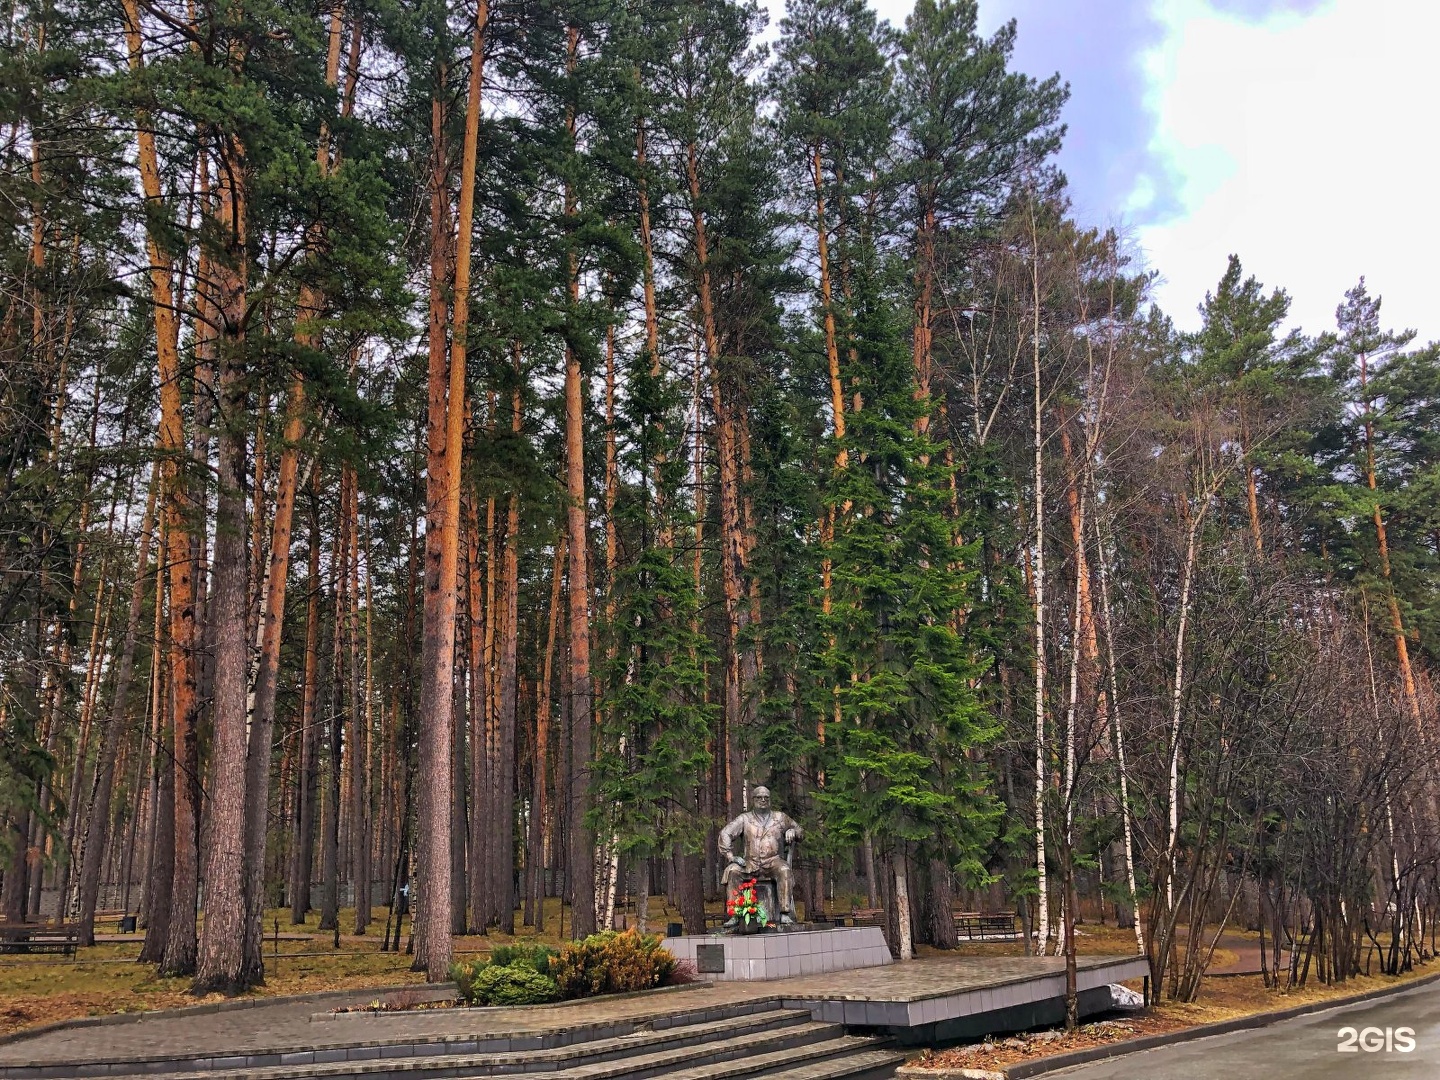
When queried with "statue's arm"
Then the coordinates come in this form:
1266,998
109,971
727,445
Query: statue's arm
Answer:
727,840
793,832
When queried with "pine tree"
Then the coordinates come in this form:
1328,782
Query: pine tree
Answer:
1268,380
973,128
1388,395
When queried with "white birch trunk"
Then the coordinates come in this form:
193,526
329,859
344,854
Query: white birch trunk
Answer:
902,910
1176,695
1118,735
1043,901
1070,705
1068,810
607,872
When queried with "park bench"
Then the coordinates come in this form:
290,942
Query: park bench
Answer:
39,938
866,916
976,925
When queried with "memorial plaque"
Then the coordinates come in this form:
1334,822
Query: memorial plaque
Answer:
710,959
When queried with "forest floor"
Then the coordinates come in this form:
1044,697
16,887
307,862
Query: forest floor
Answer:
107,979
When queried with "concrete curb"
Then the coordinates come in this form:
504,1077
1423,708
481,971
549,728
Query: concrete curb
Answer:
1022,1070
490,1010
216,1007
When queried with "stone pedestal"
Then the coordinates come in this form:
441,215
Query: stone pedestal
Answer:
781,954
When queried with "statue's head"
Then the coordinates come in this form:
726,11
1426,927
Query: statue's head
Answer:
761,798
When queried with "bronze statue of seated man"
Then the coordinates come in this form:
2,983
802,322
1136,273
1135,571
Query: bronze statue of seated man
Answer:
770,836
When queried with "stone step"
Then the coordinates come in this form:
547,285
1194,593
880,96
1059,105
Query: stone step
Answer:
840,1058
676,1028
678,1044
862,1065
713,1060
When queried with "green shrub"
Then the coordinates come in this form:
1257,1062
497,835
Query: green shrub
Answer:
536,957
514,985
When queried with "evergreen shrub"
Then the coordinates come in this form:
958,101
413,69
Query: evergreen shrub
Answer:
536,957
613,962
517,984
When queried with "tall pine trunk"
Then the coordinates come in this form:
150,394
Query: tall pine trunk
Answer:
221,957
443,478
1397,624
475,665
308,788
160,859
310,305
742,664
359,808
581,868
509,697
180,847
540,800
330,827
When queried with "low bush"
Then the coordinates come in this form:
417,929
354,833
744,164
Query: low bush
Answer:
613,962
463,973
514,985
685,972
535,957
579,970
491,984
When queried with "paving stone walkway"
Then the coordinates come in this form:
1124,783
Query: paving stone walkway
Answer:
289,1025
1246,952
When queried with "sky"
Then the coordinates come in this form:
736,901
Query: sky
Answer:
1293,133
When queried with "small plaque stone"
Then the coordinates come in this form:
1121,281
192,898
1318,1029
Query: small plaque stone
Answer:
710,959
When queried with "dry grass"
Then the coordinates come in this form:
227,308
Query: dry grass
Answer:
1091,939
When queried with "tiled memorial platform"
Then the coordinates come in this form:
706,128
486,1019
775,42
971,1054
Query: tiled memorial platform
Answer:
781,954
942,999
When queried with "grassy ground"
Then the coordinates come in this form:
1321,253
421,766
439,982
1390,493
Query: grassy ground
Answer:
107,979
1090,939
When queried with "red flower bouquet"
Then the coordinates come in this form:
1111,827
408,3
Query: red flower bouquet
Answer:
745,905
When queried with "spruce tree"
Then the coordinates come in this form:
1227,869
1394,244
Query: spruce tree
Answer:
903,768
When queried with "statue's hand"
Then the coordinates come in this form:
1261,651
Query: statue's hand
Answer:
789,836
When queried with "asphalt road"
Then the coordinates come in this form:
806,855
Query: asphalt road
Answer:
1306,1048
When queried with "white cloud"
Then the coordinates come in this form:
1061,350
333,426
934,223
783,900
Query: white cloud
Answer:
1302,144
1298,140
